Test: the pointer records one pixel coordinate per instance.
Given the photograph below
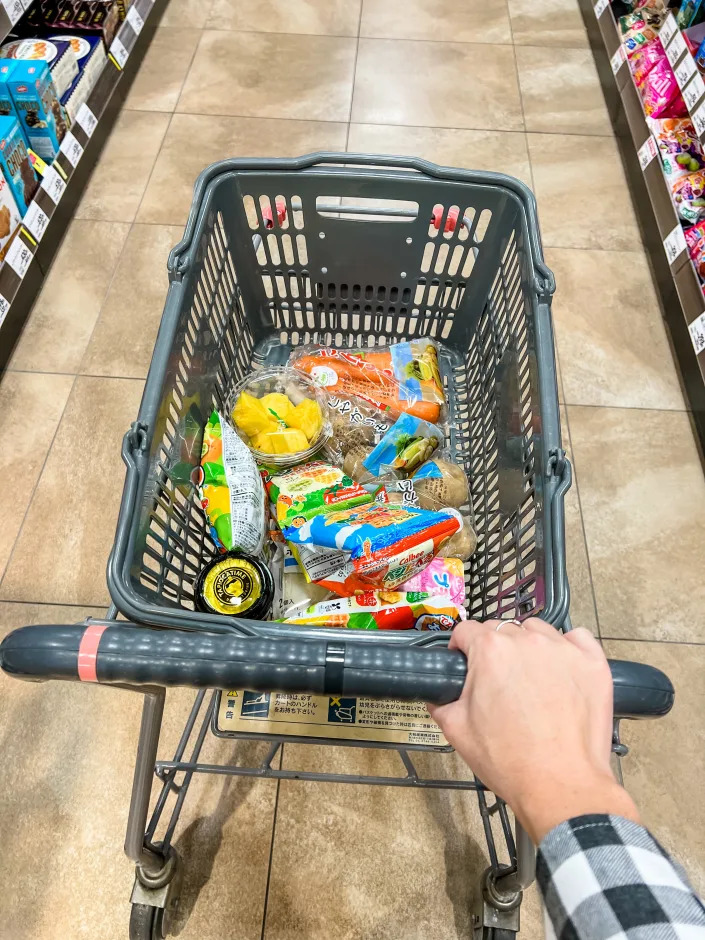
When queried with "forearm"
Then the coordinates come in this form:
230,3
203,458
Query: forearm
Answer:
601,875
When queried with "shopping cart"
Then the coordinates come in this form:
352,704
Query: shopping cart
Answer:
344,250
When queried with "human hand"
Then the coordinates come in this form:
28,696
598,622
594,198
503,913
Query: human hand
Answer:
534,721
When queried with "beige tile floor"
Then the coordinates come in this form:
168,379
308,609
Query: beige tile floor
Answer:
500,85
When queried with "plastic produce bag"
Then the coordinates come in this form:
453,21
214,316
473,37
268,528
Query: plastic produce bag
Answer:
679,146
404,377
230,489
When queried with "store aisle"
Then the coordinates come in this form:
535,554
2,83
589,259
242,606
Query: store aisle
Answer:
507,86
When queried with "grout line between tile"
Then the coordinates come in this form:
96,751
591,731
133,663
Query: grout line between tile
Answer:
354,76
521,96
646,639
271,848
428,42
83,375
582,521
53,604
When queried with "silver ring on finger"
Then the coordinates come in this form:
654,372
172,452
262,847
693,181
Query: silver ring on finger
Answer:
503,623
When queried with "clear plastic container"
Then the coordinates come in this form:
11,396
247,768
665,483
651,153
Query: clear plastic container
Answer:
297,387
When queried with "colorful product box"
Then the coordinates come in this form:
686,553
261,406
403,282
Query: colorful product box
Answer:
58,54
42,117
7,105
14,162
10,217
90,53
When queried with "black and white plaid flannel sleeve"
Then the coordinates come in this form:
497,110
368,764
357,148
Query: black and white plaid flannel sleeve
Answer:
606,878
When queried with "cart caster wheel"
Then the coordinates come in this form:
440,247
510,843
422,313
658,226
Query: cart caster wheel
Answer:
147,922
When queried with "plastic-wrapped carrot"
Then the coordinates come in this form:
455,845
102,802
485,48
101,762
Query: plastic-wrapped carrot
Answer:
401,378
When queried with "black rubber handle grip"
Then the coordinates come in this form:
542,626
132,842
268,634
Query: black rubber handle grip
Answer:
129,655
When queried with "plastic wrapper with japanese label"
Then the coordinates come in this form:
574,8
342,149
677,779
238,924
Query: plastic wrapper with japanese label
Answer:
383,610
645,58
463,544
695,240
689,196
408,444
404,377
373,547
298,493
442,577
355,423
294,592
660,93
679,146
230,489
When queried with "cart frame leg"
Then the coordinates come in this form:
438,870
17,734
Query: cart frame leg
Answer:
150,727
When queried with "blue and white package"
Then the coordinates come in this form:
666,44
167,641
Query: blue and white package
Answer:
41,115
405,448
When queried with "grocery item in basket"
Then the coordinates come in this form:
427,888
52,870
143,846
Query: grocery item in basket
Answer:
444,577
660,93
407,445
354,464
679,146
237,585
401,378
695,240
689,196
440,484
355,422
645,58
311,489
281,416
230,489
461,545
373,546
294,592
383,610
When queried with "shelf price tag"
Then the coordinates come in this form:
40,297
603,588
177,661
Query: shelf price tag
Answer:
668,30
14,10
53,184
674,243
696,330
618,59
135,20
4,307
18,257
647,152
118,52
71,149
86,119
693,91
600,7
699,119
676,49
35,221
685,71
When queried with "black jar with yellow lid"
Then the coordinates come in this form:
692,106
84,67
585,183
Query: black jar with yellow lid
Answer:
236,585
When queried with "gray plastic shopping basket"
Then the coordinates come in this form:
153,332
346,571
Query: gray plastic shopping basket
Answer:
338,249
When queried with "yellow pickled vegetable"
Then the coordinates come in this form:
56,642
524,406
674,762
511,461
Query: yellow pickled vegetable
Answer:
307,417
278,405
288,441
252,417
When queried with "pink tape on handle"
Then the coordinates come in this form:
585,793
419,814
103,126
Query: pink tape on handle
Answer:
88,652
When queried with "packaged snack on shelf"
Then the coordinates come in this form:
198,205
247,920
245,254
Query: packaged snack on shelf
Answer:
7,105
679,146
281,415
313,488
14,162
689,197
689,13
43,119
383,610
406,445
230,488
404,377
695,240
58,54
380,546
444,577
660,93
91,58
645,58
10,217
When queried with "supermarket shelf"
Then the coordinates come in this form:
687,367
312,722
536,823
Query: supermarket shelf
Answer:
44,224
10,12
680,292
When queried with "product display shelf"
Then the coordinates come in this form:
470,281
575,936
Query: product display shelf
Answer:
10,13
681,295
44,224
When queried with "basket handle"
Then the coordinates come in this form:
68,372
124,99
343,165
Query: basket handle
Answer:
125,654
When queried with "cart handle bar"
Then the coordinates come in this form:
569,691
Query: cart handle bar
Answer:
125,654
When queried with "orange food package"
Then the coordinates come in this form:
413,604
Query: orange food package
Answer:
401,378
